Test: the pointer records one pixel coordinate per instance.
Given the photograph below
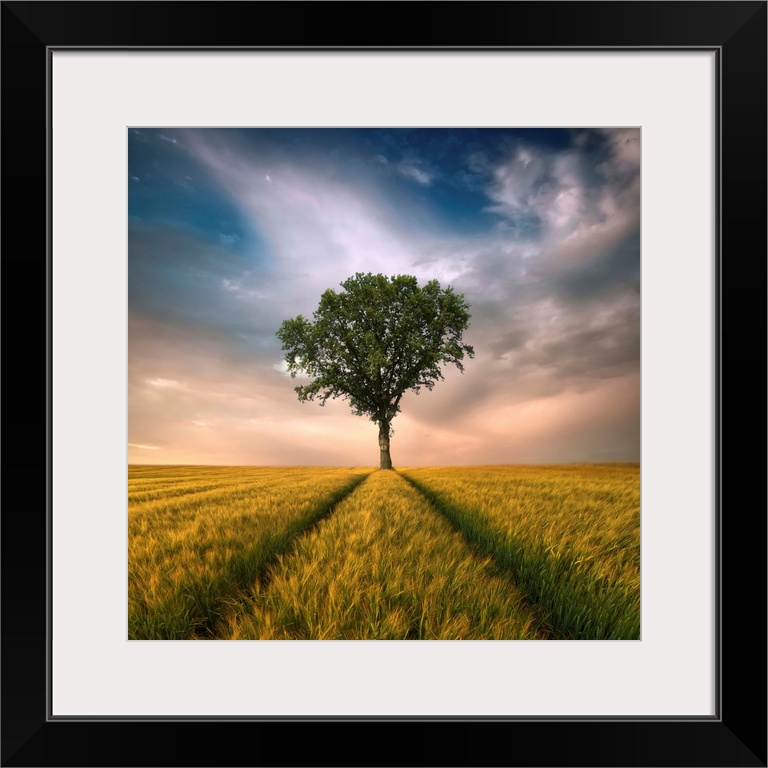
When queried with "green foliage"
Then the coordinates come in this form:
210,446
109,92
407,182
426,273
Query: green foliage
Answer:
375,340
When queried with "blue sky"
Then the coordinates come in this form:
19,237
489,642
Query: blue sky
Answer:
232,231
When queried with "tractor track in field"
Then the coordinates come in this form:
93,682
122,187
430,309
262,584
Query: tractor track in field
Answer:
324,512
474,542
545,628
574,605
561,600
497,570
206,630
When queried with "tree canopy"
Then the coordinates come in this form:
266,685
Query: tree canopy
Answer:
373,341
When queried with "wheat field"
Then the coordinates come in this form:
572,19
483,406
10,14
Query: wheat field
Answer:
444,553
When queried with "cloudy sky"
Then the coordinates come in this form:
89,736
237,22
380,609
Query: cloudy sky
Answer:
232,231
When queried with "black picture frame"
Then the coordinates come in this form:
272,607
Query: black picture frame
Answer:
736,735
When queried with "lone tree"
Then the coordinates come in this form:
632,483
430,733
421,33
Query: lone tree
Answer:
373,341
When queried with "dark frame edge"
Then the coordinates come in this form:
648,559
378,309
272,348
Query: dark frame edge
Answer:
736,736
49,381
25,211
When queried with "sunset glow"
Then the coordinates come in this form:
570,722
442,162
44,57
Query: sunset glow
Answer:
232,231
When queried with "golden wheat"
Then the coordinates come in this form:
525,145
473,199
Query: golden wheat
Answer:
384,566
570,534
190,555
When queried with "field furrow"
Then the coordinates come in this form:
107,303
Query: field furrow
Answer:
172,491
569,535
191,557
384,566
149,475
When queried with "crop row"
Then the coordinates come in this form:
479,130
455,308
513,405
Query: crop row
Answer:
384,566
568,536
440,553
189,558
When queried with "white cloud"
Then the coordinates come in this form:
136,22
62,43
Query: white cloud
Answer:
582,210
242,288
413,172
319,230
165,383
625,148
144,447
281,367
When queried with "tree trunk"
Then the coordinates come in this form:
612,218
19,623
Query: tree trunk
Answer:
385,460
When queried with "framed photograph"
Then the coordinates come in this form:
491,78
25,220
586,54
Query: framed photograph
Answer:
610,155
